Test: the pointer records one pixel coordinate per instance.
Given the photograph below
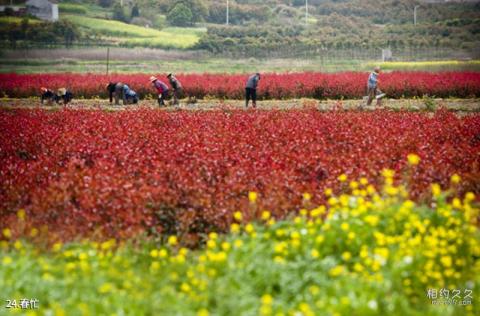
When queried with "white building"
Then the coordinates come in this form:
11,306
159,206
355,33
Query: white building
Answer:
43,9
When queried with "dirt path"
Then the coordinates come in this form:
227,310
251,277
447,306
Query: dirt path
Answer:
458,105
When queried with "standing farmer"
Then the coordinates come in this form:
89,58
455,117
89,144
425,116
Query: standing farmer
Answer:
162,90
176,87
251,89
115,89
372,87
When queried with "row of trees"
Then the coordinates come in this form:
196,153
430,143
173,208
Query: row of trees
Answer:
57,33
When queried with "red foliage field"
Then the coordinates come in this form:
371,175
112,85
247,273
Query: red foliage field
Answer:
118,174
272,86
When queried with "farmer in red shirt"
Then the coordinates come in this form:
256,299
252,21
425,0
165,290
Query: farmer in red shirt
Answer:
162,90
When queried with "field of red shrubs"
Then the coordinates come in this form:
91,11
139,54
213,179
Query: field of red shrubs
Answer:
117,174
272,86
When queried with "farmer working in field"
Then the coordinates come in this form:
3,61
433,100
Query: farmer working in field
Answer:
176,87
48,95
64,95
130,95
251,89
115,89
162,90
372,87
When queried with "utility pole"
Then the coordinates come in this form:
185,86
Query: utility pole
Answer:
108,58
415,14
306,12
228,9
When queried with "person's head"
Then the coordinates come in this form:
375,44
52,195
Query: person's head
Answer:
109,85
153,79
170,75
377,69
258,75
43,89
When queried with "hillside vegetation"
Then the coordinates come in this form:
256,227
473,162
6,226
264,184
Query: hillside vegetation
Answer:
269,25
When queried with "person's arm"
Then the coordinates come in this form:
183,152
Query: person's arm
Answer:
42,98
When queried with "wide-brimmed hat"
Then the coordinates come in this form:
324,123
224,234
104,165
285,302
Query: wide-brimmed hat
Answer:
153,78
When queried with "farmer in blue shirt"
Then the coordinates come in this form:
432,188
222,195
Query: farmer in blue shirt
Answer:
251,89
372,87
130,95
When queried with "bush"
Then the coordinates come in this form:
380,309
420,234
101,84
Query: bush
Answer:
180,15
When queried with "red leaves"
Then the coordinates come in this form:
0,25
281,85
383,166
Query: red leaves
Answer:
272,86
125,172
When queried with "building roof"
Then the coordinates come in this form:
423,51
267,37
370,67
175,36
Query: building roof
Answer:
38,3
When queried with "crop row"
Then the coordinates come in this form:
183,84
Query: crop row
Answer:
122,173
272,86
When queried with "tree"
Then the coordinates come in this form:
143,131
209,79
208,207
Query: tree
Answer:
198,8
118,13
105,3
135,12
180,15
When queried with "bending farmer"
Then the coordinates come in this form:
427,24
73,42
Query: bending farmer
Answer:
251,89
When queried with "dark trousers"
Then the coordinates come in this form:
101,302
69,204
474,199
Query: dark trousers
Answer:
251,93
162,97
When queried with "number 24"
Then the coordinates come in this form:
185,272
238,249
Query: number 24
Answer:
11,303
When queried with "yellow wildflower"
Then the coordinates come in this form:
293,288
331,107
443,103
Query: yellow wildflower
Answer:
21,214
413,159
235,228
172,240
267,299
265,215
336,271
446,261
203,312
7,233
455,179
238,216
346,256
342,177
7,260
105,288
33,232
436,190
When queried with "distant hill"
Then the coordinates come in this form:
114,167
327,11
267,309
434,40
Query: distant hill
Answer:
256,25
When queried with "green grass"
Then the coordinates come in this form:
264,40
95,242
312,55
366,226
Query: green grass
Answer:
72,8
13,19
217,65
133,35
440,65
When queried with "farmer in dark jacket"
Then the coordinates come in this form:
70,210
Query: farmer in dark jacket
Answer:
251,89
64,95
48,95
115,89
162,90
176,87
